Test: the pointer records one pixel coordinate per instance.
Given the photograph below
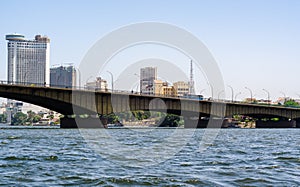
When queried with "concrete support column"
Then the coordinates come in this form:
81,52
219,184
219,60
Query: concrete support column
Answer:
297,122
77,122
281,123
201,121
191,120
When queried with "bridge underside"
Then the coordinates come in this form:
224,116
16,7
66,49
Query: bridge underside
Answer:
69,102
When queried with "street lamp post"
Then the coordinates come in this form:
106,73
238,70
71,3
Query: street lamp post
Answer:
202,91
79,77
268,95
139,84
212,91
220,94
284,95
231,92
250,93
235,97
112,80
88,80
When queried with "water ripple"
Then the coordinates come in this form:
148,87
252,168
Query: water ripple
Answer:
59,157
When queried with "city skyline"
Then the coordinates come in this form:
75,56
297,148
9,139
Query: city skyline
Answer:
166,93
256,49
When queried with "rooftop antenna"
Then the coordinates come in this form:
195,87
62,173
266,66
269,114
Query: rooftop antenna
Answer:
191,83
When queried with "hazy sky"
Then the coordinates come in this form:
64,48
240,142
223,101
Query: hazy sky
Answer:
255,43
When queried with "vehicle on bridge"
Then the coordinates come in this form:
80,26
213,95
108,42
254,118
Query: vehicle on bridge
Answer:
193,97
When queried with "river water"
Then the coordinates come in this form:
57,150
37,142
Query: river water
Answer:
236,157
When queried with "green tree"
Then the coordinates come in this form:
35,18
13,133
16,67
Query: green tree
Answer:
111,118
51,116
171,120
291,103
3,118
36,118
30,116
19,119
138,115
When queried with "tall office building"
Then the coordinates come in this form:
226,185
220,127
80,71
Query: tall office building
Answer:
63,76
28,63
147,77
28,60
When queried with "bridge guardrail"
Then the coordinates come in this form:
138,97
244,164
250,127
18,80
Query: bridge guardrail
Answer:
134,93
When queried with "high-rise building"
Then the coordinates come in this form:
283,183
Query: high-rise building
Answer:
147,77
181,88
28,60
63,76
27,63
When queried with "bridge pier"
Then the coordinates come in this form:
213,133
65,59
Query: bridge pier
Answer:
297,122
195,123
203,122
281,123
77,122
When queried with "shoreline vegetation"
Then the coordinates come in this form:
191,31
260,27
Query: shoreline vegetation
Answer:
159,119
31,119
127,119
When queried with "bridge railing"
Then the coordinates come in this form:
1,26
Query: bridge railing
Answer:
32,84
35,84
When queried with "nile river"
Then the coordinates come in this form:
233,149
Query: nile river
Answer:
114,157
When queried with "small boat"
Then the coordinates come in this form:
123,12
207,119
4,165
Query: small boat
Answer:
117,124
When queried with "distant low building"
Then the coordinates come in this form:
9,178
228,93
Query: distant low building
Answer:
2,109
181,88
168,91
99,85
12,108
251,100
158,84
163,88
31,107
264,101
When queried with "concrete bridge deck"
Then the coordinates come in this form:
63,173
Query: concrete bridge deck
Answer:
68,101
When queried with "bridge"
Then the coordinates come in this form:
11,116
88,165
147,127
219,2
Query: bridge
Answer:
72,101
